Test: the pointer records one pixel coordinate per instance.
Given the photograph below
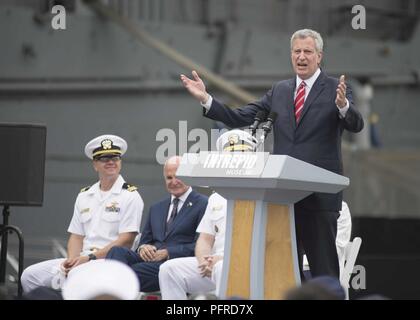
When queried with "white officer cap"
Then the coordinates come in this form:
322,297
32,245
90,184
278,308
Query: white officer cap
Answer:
236,140
105,145
101,278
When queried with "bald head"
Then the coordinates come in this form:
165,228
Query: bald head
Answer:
174,186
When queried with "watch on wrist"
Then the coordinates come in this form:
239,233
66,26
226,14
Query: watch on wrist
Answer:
91,257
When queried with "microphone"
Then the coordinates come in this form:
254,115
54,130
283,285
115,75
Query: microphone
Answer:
269,124
259,117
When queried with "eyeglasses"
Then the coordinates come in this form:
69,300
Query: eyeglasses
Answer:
107,159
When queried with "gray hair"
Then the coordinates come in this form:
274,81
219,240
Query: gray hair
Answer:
172,160
304,33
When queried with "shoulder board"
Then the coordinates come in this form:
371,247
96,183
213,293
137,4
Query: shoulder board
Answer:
85,189
129,187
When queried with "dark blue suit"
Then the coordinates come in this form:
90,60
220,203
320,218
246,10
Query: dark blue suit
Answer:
179,240
316,139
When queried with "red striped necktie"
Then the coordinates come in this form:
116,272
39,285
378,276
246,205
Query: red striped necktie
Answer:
299,100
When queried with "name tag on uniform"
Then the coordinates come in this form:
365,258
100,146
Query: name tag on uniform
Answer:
85,210
113,207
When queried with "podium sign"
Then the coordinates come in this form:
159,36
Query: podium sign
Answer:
230,164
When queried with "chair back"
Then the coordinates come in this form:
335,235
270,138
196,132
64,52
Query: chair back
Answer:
351,252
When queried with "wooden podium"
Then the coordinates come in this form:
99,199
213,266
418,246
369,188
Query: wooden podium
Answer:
260,256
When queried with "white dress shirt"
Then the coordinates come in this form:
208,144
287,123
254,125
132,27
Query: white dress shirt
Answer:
180,203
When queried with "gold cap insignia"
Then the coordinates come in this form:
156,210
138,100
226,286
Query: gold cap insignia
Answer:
106,144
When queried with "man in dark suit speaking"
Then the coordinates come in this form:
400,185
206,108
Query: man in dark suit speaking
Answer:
313,110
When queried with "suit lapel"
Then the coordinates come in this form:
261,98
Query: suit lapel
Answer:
186,208
313,94
164,217
290,103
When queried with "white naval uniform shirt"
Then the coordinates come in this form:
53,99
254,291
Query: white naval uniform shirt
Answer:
101,220
214,222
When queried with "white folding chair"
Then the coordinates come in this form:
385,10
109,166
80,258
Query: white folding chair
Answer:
350,255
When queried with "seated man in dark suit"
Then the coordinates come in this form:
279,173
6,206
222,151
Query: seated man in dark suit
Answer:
169,232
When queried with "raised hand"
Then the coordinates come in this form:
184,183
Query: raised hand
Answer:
340,100
195,86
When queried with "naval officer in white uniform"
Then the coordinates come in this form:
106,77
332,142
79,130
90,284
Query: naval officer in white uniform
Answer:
202,273
106,214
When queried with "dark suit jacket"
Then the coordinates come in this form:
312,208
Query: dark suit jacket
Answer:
180,239
316,139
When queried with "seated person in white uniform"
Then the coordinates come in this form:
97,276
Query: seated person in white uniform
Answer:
106,214
202,273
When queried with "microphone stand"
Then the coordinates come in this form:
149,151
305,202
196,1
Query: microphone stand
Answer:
261,141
